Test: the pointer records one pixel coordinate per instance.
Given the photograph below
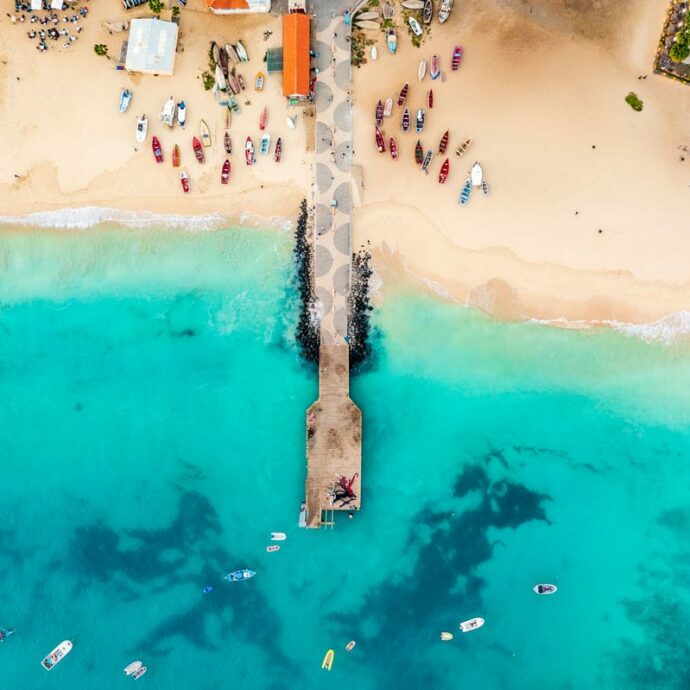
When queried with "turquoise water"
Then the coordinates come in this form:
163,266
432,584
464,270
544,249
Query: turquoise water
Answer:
152,435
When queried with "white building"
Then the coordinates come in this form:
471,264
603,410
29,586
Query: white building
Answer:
238,6
151,46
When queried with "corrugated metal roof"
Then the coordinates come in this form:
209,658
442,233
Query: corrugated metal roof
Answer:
296,60
151,46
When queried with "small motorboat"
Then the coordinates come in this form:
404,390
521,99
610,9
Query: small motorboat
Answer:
239,575
444,12
227,142
142,127
413,4
380,142
457,56
234,83
327,662
273,548
133,667
263,119
427,161
428,12
443,144
419,120
485,189
402,96
125,99
393,148
477,175
157,150
391,40
465,193
415,26
176,156
249,151
138,674
290,122
265,146
225,172
462,149
259,81
184,181
205,133
198,150
232,54
445,636
418,153
378,115
241,52
388,10
471,624
445,169
181,114
388,107
405,120
541,589
435,67
57,655
167,115
278,152
278,536
430,99
421,70
350,646
374,53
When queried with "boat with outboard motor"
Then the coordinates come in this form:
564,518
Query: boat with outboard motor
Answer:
57,655
125,99
240,575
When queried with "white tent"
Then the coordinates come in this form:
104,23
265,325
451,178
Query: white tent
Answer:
36,4
57,4
151,46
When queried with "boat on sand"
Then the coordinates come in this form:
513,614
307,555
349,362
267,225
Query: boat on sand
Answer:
443,145
125,99
142,128
368,25
205,133
471,624
444,11
57,655
181,114
457,56
184,181
259,81
419,120
393,148
445,169
485,189
278,153
167,115
380,142
241,52
428,12
263,119
225,172
232,54
227,142
391,40
415,26
157,150
418,153
388,107
374,53
462,149
413,4
402,96
421,70
465,192
378,115
405,120
427,161
265,146
363,16
176,156
198,150
435,67
388,10
430,99
477,175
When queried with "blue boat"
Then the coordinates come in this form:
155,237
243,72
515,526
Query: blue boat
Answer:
466,191
238,575
4,634
125,99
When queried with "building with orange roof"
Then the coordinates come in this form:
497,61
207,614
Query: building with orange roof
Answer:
296,58
238,6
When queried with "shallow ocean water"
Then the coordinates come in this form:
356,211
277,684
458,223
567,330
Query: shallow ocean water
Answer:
152,436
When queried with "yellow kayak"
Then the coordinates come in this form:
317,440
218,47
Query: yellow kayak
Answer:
327,662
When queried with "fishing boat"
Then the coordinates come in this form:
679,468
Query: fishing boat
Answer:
302,521
223,61
393,148
225,172
428,12
327,662
220,79
392,40
205,133
167,115
444,11
278,536
133,667
443,145
435,67
241,82
415,26
388,10
350,646
445,169
445,636
259,81
57,655
457,56
378,115
465,193
234,83
367,15
249,151
477,175
138,674
176,156
125,99
239,575
278,152
542,589
405,120
215,52
462,149
157,150
418,153
263,119
198,150
471,624
427,161
368,25
430,99
228,115
265,144
403,94
419,121
388,107
380,142
227,142
273,548
485,189
181,114
232,54
241,52
421,70
184,181
142,127
413,4
234,105
374,53
290,122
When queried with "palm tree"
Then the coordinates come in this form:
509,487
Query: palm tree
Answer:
101,49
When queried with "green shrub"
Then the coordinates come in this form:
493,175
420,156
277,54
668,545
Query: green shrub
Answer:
156,6
679,52
633,100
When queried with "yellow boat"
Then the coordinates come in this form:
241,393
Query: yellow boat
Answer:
327,662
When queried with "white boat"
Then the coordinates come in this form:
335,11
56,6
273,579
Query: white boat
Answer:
241,52
444,12
125,99
181,114
239,575
290,121
477,175
471,624
57,655
220,79
421,70
133,667
278,536
415,26
232,54
302,522
374,53
413,4
543,588
138,674
388,107
142,127
168,113
368,25
445,636
366,15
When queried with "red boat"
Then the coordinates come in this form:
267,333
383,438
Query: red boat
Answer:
457,56
225,173
430,99
249,151
379,114
405,120
418,153
443,175
380,143
403,94
157,150
394,148
198,150
184,180
444,143
278,153
263,119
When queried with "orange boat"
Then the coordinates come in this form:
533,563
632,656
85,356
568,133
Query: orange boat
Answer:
263,120
176,156
444,143
225,173
445,169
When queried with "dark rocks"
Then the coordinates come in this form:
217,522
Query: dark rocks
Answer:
307,325
358,327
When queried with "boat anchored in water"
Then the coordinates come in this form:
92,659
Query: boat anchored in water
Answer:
57,655
138,674
545,588
445,636
240,575
471,624
278,536
327,662
133,667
